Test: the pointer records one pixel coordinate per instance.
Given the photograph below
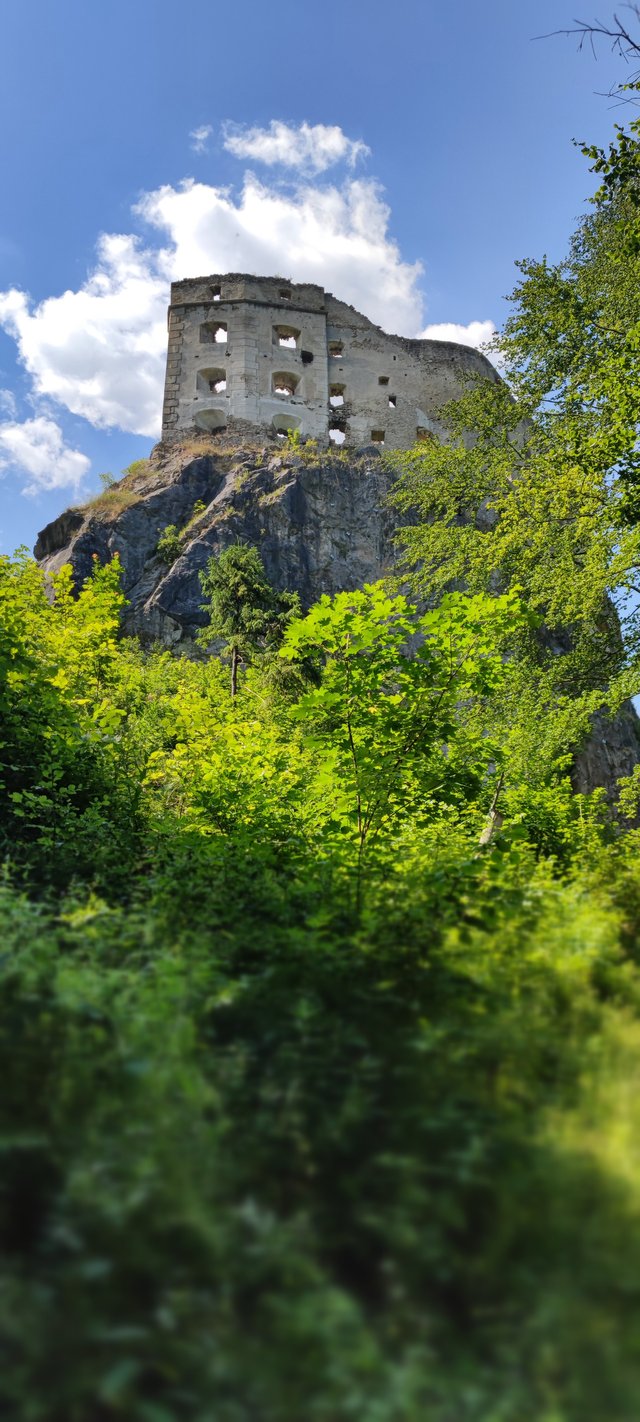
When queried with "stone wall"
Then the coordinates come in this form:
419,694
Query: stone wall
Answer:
289,356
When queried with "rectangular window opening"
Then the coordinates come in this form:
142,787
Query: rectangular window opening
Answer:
377,436
212,333
392,402
383,380
335,349
286,336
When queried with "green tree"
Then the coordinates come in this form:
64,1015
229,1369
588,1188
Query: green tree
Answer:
243,610
395,710
546,493
169,546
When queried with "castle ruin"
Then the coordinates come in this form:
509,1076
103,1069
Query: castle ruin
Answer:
252,353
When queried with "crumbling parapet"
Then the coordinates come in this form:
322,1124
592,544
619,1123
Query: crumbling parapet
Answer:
289,356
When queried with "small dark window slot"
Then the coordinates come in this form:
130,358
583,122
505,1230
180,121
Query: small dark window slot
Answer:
306,357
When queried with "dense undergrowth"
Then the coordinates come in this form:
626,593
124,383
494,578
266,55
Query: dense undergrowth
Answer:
301,1118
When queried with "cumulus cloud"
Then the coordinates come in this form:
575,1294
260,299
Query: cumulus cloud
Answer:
200,137
36,448
476,333
310,148
99,351
335,236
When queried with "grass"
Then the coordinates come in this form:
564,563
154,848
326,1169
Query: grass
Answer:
112,502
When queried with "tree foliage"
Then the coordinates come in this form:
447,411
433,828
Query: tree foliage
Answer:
243,610
311,1103
538,485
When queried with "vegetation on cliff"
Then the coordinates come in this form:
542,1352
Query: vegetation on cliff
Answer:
320,992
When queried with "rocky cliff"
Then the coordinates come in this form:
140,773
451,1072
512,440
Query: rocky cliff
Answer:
319,520
318,517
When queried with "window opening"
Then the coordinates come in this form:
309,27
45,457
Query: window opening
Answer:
383,380
336,395
337,429
211,420
213,333
392,402
283,423
286,336
284,384
377,436
211,381
216,293
306,357
335,349
423,435
284,294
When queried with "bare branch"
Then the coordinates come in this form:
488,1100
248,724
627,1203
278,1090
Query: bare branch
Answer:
620,39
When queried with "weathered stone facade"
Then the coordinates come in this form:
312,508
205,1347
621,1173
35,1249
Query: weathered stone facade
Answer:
263,352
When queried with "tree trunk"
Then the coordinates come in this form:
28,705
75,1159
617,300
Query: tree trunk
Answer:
495,820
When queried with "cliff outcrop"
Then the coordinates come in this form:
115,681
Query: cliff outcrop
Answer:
318,518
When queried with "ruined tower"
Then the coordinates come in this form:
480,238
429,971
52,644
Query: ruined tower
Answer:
248,353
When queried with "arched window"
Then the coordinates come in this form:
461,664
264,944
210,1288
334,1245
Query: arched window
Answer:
211,420
284,383
283,423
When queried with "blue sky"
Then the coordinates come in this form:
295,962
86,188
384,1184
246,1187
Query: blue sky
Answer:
405,156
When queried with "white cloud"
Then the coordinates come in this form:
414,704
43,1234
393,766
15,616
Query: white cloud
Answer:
99,351
337,237
36,448
311,148
199,137
476,333
8,404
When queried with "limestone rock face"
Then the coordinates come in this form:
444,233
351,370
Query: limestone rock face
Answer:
611,751
319,522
